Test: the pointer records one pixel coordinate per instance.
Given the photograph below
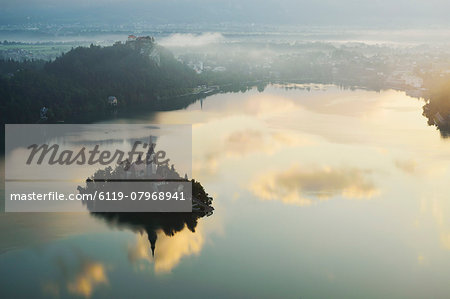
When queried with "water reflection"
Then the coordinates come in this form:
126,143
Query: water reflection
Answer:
436,206
24,230
281,170
152,223
171,248
406,165
79,276
300,185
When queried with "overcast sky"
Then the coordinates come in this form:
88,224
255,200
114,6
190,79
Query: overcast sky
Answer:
301,12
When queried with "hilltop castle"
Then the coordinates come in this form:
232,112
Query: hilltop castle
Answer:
145,45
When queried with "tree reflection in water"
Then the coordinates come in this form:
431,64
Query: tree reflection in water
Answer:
169,223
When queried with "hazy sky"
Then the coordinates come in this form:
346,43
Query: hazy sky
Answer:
301,12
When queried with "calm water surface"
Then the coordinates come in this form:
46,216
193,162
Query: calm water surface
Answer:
319,193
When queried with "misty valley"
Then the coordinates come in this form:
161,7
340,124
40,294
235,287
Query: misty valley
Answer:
224,149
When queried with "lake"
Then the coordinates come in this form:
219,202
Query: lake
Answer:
319,192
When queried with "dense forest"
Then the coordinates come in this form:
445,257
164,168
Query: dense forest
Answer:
437,107
82,79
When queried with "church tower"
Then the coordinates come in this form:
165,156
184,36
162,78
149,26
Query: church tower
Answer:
149,159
